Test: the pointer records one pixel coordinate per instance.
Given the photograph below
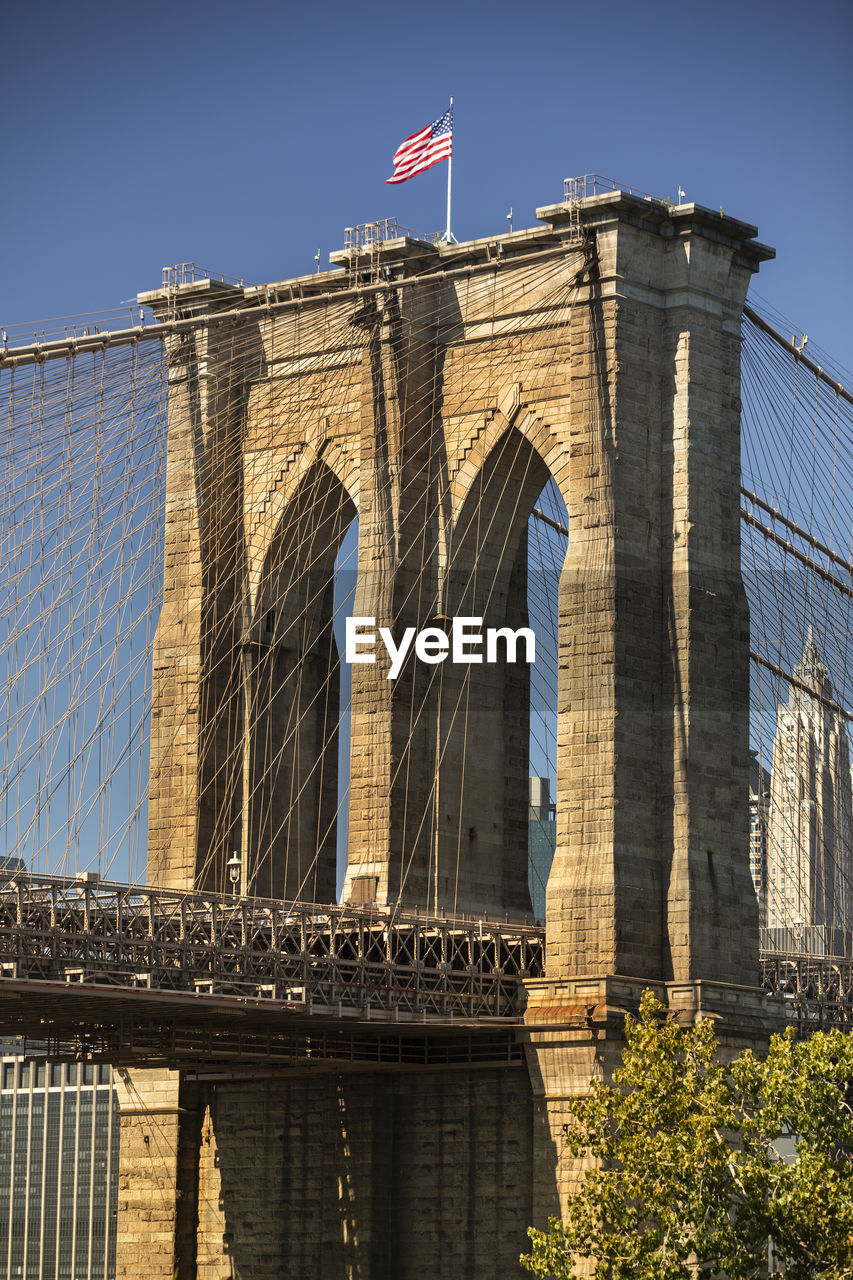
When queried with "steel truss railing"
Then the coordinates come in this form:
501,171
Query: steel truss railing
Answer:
376,963
381,962
818,990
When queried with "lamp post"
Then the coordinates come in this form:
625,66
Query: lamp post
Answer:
234,868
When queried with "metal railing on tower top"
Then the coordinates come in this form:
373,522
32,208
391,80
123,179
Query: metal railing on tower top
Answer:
366,234
594,184
192,273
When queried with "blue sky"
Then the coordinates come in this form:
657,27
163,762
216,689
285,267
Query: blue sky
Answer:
243,136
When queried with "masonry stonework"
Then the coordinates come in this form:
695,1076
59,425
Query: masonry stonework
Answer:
158,1178
432,398
366,1175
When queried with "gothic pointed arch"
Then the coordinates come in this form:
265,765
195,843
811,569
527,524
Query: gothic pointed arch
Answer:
291,669
282,478
482,817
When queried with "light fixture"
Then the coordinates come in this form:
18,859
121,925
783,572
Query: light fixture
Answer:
234,868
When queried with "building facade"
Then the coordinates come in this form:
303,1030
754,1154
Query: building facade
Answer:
59,1159
541,842
810,828
759,814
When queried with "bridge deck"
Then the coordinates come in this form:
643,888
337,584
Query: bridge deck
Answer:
143,973
135,973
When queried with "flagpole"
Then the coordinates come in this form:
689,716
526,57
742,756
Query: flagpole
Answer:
448,237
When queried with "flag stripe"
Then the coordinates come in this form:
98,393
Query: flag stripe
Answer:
424,159
404,177
409,143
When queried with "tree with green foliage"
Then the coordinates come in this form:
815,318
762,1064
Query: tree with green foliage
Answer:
688,1182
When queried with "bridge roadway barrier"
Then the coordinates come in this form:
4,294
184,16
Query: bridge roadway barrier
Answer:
138,973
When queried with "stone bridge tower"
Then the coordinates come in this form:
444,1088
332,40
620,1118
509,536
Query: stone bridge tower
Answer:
431,391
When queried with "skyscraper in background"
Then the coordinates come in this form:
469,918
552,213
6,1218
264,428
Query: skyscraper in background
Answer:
759,812
541,842
59,1146
810,827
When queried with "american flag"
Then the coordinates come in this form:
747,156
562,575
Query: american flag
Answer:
423,149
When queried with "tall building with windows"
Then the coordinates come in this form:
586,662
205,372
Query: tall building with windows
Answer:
59,1146
810,826
541,842
759,812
